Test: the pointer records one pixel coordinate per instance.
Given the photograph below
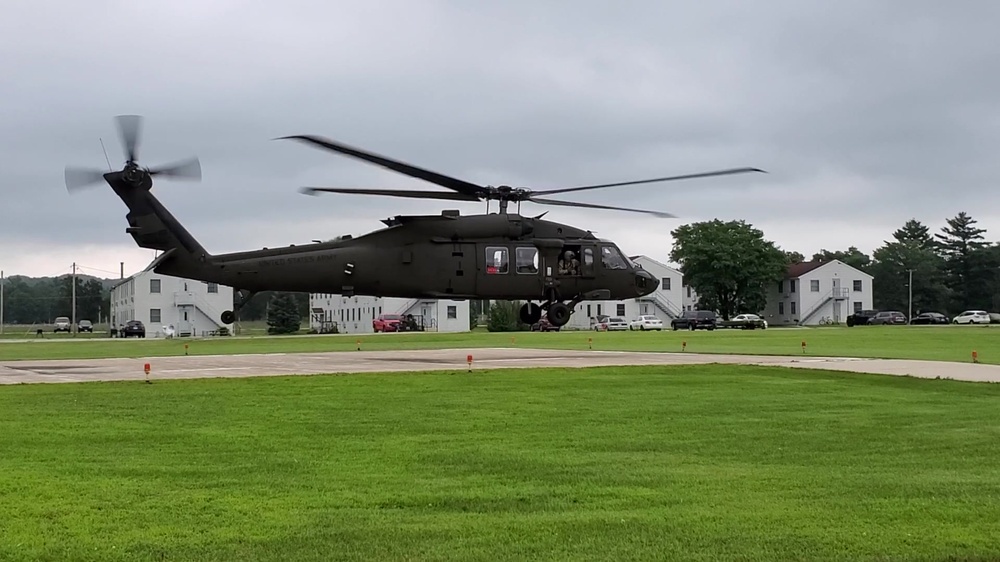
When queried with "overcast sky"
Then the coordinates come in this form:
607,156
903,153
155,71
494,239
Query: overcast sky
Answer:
865,113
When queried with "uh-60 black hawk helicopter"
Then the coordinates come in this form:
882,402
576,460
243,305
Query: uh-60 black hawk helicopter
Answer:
504,256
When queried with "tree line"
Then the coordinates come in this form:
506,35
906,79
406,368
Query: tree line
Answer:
40,300
731,266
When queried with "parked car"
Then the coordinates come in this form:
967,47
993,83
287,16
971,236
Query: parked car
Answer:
972,317
85,326
930,318
744,322
888,317
616,324
62,324
646,322
387,322
861,318
133,328
696,319
599,323
543,325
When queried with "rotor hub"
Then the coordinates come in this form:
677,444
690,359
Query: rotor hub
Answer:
132,173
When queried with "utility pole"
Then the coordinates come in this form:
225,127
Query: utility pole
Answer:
1,301
909,285
73,314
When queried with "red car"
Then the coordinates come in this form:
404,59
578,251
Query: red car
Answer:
387,323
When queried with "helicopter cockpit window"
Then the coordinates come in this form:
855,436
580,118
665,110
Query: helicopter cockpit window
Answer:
611,258
527,259
496,260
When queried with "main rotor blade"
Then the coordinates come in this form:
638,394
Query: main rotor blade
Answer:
78,178
392,193
129,128
458,185
185,169
654,180
595,206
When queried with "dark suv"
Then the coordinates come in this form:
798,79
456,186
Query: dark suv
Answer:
695,319
133,328
861,318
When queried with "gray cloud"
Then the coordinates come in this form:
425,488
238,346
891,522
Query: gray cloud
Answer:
864,113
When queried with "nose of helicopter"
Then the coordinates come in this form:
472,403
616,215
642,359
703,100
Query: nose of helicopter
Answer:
645,283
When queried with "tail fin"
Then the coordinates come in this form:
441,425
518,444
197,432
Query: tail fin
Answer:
152,226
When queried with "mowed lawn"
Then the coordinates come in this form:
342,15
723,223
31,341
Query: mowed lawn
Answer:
951,343
646,463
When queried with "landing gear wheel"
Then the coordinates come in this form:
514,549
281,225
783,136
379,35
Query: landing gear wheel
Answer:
559,314
228,317
530,313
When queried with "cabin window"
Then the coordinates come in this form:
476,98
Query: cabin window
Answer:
611,258
496,260
527,260
588,257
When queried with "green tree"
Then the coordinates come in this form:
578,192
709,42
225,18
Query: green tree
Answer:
794,257
729,264
505,316
912,248
852,257
283,316
968,271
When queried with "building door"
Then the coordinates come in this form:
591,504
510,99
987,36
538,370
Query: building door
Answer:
836,300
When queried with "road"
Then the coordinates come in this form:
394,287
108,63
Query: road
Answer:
195,366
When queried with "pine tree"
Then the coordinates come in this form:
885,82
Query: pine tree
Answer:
283,315
958,245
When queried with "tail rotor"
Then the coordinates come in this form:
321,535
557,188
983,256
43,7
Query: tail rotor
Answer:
130,133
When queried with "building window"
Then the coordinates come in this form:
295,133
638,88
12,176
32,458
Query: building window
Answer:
857,285
452,311
857,306
496,260
791,289
665,284
814,285
213,287
689,291
598,310
154,316
527,260
791,307
620,309
154,285
781,308
781,286
589,315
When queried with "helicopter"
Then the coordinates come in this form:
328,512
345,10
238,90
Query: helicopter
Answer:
549,266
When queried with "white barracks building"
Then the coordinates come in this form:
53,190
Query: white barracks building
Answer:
354,315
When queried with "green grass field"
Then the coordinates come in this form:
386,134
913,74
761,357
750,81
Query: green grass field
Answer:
946,343
646,463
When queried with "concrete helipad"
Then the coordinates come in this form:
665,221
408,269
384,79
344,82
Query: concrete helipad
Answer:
79,370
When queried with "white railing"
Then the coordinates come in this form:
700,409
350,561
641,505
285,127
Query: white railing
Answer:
407,306
816,308
664,304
